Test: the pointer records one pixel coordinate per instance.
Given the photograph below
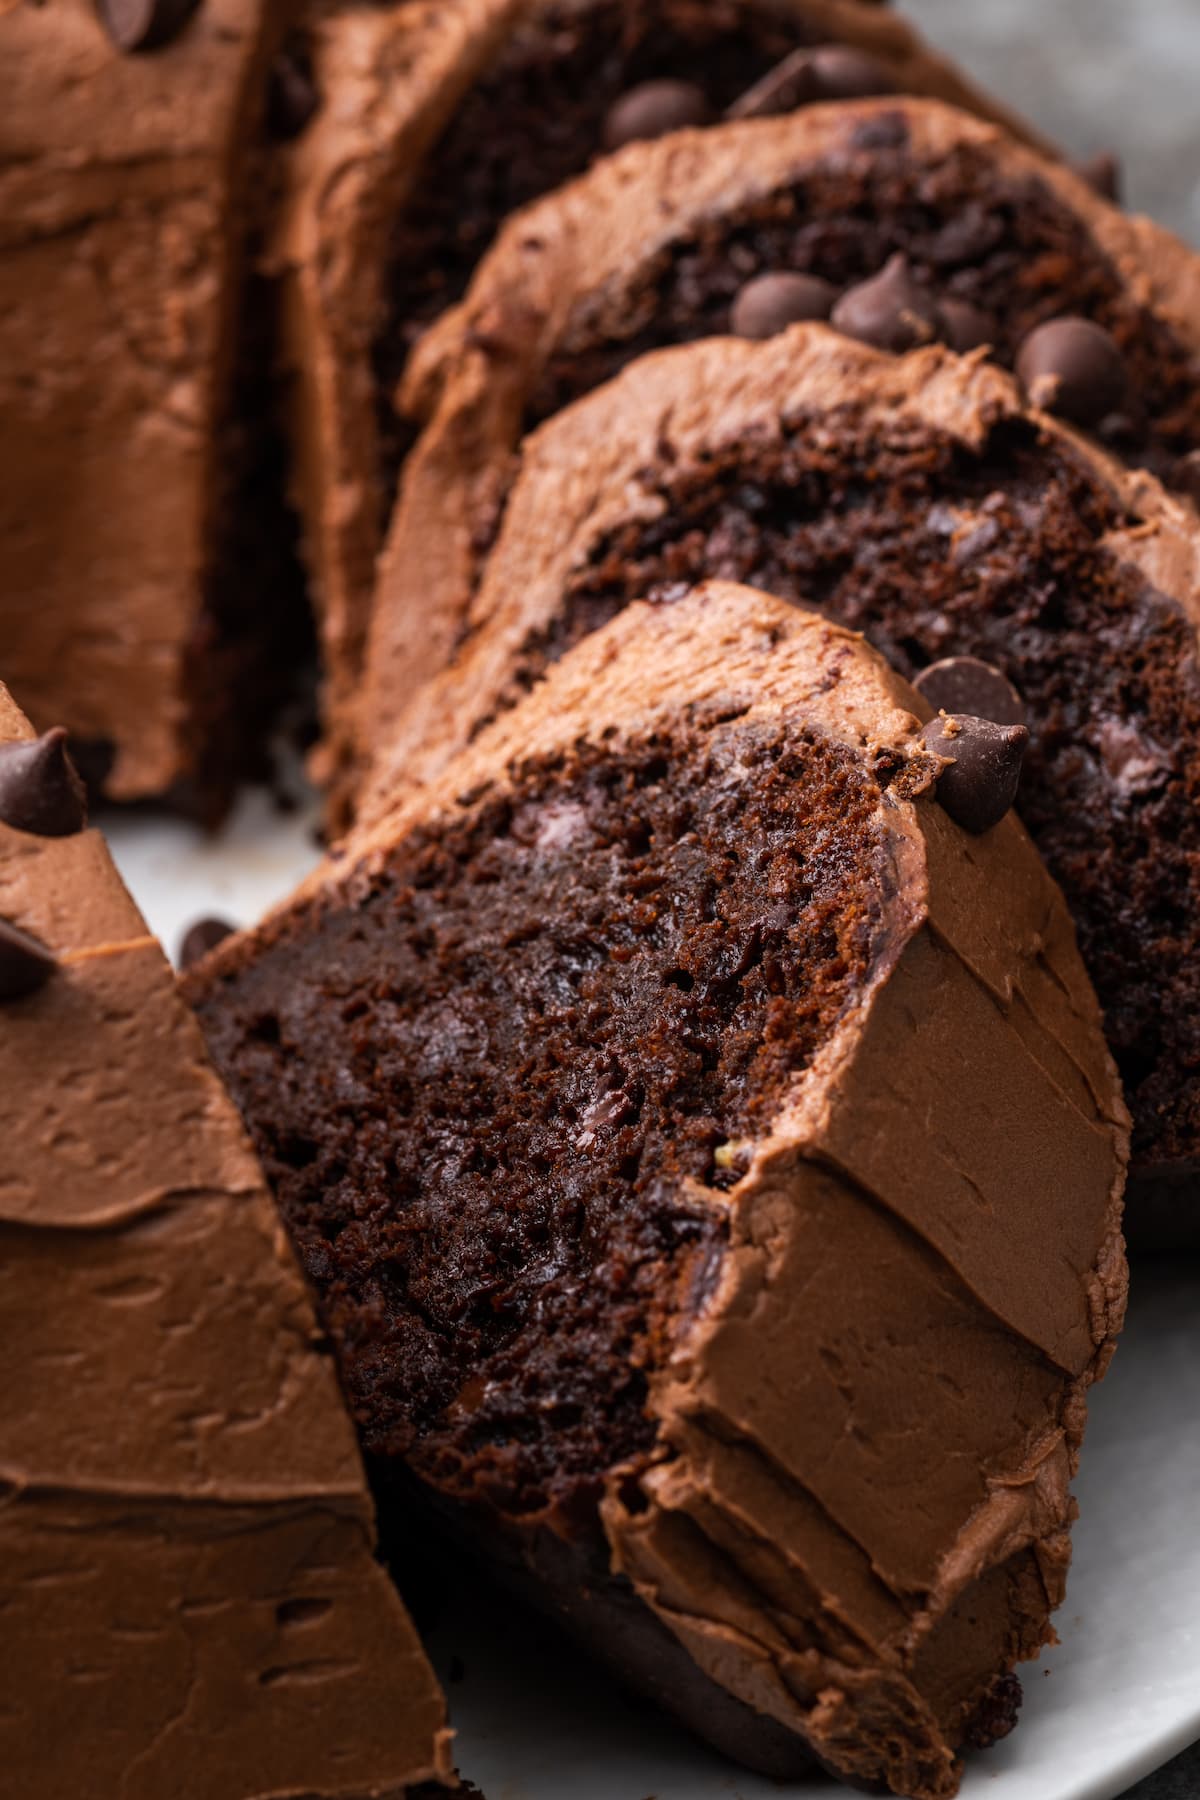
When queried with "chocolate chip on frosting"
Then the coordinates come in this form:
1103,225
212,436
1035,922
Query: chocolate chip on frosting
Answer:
965,684
202,937
1072,367
25,964
40,791
770,303
653,109
144,24
981,782
891,310
965,327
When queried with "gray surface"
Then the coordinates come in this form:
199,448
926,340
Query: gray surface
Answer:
1121,75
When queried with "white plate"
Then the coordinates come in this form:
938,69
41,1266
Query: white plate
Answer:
1120,1696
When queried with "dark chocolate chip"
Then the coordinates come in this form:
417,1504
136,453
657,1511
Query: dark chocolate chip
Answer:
292,96
770,303
144,24
200,938
890,310
845,74
652,110
964,684
1102,173
981,783
25,964
964,326
1072,367
39,789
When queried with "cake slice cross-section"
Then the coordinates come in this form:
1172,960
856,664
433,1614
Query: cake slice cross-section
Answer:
709,1161
190,1595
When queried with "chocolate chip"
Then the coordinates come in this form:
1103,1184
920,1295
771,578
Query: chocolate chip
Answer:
39,789
981,783
964,684
964,326
770,303
652,110
25,964
1072,367
144,24
200,938
845,74
890,310
292,96
1102,173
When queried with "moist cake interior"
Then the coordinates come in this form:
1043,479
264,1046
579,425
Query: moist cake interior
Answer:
513,140
536,1027
1003,243
932,550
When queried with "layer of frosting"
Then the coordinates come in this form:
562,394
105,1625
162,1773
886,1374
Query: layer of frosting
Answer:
186,1537
120,221
856,1515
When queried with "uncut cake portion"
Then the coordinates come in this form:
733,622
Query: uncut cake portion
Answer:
710,1164
920,500
744,231
189,1595
434,120
148,602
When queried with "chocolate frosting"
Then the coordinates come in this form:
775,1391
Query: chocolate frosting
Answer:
858,1512
119,216
186,1569
390,78
583,255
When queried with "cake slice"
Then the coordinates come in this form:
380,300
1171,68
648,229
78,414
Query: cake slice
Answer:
710,1164
749,229
149,603
438,118
917,499
190,1599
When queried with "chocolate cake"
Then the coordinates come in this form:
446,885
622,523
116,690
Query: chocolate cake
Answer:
709,1161
141,607
744,231
433,123
919,500
190,1600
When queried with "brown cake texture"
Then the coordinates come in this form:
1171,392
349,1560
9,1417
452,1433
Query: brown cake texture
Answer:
709,1162
663,244
917,499
189,1595
150,600
435,120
